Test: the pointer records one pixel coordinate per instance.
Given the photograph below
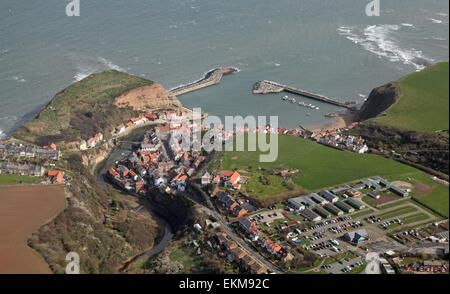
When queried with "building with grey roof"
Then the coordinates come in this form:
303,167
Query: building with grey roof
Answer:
330,197
310,216
399,191
316,198
355,203
346,208
296,203
333,209
341,190
322,212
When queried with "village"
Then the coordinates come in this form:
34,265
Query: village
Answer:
334,224
336,219
17,159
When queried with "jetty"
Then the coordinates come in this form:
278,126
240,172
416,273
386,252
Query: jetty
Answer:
267,87
212,77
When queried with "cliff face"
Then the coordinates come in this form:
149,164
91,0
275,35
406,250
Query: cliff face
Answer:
379,100
148,98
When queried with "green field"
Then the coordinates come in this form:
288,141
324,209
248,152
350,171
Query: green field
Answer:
396,203
321,167
424,101
438,200
362,213
397,212
15,179
415,218
256,187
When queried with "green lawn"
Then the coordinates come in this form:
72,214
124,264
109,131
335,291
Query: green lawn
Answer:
362,213
389,205
397,212
424,102
321,167
438,200
256,187
186,255
415,218
15,179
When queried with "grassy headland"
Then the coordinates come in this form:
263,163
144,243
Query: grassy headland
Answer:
82,109
410,116
423,103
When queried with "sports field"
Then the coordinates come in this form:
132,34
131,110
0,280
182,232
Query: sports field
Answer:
23,209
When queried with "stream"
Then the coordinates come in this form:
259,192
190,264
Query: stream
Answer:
118,153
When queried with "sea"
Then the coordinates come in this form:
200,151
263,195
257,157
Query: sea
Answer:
330,47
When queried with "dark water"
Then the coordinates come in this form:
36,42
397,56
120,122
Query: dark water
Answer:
330,47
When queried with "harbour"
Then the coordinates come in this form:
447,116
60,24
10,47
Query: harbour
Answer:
267,87
212,77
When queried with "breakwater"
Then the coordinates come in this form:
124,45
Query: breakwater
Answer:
267,87
212,77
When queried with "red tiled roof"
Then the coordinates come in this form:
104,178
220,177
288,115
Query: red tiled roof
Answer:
234,177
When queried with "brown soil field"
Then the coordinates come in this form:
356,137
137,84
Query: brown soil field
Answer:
402,185
423,188
23,209
384,199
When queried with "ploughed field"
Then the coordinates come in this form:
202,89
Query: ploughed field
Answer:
323,167
23,209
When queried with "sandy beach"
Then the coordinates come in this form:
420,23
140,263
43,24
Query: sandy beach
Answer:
341,121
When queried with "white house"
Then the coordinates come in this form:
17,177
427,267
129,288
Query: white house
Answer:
120,129
206,179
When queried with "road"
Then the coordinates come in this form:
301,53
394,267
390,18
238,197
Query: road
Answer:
230,231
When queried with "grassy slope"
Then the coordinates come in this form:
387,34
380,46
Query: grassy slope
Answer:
424,102
321,167
93,94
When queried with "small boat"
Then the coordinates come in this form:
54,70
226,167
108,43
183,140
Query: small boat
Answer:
317,107
293,101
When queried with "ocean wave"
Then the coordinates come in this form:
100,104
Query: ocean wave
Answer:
435,20
438,38
3,52
19,79
407,25
379,40
88,66
272,63
110,65
83,72
2,134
